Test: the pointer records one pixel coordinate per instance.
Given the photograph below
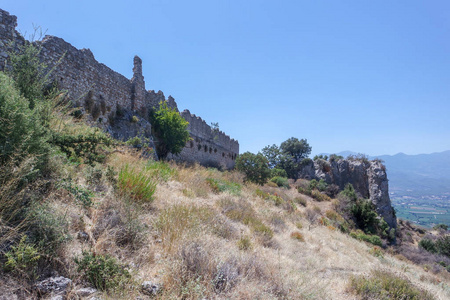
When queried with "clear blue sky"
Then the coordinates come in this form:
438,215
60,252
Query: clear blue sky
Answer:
367,76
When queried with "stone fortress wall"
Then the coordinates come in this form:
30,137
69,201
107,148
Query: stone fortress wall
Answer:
104,94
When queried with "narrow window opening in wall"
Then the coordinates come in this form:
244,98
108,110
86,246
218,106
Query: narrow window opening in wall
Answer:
210,150
191,144
199,147
223,154
206,148
215,150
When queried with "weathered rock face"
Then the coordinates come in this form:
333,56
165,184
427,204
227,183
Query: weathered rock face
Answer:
379,192
369,179
106,97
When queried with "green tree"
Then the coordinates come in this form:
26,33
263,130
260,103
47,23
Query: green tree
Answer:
254,166
170,130
297,149
288,156
272,153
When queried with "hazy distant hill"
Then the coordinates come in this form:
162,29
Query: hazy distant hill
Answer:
416,175
423,174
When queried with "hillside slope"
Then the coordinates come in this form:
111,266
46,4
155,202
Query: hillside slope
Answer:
204,234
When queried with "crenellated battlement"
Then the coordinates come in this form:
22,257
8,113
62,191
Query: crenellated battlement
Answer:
104,94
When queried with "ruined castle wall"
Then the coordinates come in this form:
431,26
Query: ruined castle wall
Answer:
104,93
208,147
9,37
87,82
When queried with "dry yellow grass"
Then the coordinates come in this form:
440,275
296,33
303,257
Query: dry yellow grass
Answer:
194,241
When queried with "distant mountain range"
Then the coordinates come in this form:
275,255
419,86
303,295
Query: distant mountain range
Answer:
416,175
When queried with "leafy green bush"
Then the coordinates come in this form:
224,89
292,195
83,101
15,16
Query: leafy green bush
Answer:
280,181
428,245
373,239
349,193
254,166
440,246
22,260
220,185
138,185
170,129
365,216
443,245
23,130
304,191
82,195
48,229
322,185
313,184
102,271
384,285
278,172
84,147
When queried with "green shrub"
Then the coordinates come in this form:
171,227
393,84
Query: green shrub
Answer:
137,184
272,184
48,229
23,130
220,185
278,172
170,129
280,181
22,260
313,184
82,195
365,216
134,119
384,285
349,193
304,191
102,271
135,142
254,166
85,147
322,185
320,196
443,245
440,246
373,239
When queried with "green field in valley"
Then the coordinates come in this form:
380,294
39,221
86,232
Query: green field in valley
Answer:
425,212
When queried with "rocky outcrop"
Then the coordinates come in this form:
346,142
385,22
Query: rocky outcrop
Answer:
369,179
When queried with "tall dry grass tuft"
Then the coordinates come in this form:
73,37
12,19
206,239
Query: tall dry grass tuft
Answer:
180,222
